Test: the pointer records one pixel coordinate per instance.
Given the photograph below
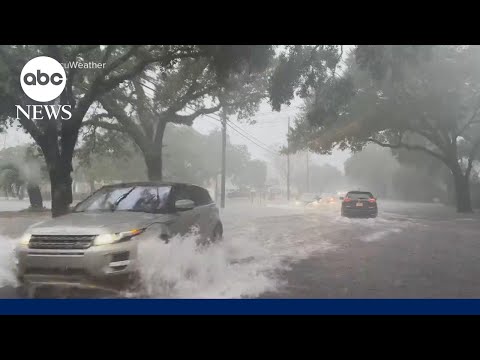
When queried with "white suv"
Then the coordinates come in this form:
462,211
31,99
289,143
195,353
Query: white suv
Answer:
96,244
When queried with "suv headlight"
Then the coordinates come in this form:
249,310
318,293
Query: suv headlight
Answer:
25,239
105,239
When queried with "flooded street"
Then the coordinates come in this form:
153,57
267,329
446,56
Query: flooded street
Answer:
275,250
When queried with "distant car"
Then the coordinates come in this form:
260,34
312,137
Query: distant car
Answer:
329,199
308,199
359,203
238,194
96,244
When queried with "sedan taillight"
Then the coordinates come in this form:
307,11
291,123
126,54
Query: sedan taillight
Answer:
371,200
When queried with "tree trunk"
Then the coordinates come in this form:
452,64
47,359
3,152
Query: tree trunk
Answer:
154,165
61,185
58,153
153,156
35,196
462,191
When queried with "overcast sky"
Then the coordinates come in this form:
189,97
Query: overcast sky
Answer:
270,132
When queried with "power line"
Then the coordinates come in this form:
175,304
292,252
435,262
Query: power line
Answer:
247,133
249,137
229,123
260,146
233,126
239,128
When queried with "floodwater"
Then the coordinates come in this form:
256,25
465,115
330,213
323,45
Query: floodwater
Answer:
278,250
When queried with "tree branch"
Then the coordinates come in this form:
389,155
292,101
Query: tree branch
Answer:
471,121
189,96
95,120
104,125
12,65
125,122
66,96
27,124
121,59
101,86
436,135
33,130
188,119
435,140
410,147
82,49
142,107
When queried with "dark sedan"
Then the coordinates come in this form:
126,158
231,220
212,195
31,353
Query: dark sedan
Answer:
359,203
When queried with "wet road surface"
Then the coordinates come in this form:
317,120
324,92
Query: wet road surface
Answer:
280,251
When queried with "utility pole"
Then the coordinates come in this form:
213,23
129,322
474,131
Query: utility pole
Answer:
288,161
216,188
224,146
308,174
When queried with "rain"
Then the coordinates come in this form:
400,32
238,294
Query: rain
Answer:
239,171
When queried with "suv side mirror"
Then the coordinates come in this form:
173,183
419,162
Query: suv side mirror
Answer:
184,205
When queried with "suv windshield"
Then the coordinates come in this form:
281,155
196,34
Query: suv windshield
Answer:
133,198
359,195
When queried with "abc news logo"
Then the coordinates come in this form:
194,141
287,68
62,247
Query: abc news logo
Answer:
43,79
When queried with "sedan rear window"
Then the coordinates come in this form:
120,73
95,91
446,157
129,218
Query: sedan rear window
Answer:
359,195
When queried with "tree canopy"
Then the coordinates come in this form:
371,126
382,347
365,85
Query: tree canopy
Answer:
423,99
85,87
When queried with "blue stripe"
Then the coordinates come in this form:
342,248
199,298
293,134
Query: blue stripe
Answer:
240,307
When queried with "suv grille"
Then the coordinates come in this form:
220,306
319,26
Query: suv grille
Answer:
61,241
55,271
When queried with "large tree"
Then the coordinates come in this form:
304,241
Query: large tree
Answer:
401,97
144,106
84,87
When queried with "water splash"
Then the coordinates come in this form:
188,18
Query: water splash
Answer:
236,267
380,235
7,261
